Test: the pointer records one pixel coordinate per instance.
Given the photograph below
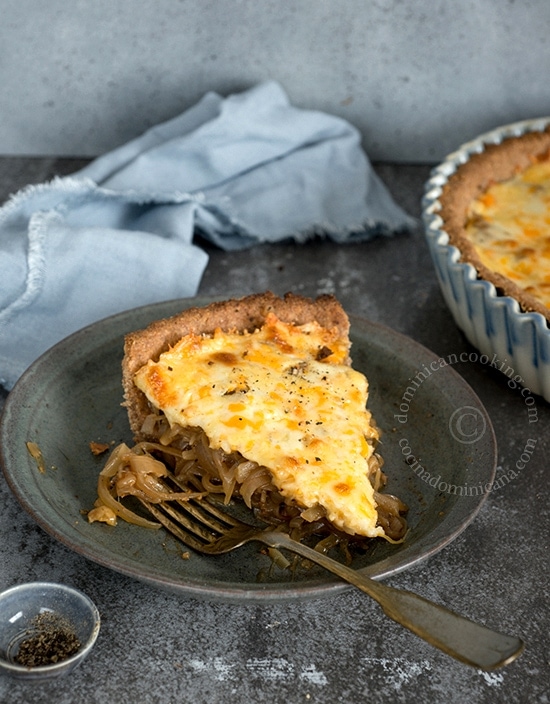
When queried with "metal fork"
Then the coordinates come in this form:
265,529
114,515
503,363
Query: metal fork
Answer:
204,527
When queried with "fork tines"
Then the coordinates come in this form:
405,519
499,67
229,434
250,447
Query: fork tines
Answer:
195,521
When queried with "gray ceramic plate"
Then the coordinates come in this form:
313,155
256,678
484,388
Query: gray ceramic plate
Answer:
72,395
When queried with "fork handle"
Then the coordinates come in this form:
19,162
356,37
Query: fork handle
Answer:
463,639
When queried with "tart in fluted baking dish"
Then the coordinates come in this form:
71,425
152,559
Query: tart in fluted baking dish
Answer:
486,211
496,210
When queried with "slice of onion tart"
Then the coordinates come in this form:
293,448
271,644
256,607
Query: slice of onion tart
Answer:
270,411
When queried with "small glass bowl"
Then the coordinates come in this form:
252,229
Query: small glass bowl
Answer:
37,613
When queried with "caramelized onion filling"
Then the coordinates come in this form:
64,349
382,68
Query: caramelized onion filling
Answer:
185,452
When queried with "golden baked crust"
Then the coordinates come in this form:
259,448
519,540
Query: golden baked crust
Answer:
496,163
239,314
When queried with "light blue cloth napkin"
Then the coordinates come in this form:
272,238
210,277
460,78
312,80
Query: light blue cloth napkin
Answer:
242,170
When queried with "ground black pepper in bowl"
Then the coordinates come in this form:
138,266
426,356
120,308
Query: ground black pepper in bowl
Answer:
49,640
46,630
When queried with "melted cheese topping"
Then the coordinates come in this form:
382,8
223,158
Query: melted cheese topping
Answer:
510,228
284,397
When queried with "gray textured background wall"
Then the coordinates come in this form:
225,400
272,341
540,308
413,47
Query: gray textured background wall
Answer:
418,77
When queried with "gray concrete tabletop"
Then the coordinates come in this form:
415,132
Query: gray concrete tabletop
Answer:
156,646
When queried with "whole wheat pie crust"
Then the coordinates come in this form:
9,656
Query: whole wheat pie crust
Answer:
468,184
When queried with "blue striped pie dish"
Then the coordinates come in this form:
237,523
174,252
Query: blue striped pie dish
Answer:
510,337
